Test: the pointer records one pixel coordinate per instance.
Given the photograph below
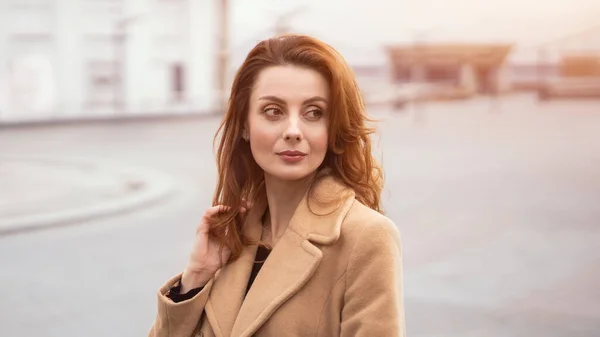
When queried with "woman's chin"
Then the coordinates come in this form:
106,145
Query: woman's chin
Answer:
291,174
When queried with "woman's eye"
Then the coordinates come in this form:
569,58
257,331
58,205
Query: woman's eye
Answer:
314,114
272,112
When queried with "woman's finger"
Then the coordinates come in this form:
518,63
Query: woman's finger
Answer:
216,210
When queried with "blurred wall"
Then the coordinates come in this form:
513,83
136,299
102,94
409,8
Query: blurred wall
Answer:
62,59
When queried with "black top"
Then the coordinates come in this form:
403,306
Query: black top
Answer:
261,255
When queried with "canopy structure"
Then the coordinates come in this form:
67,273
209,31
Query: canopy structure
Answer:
476,67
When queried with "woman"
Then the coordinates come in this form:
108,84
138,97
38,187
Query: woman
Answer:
296,244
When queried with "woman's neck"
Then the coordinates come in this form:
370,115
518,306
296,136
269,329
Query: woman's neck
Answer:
283,197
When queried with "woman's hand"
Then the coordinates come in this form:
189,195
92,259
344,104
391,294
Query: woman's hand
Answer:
207,256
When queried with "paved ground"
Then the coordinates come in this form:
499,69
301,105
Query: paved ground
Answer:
498,203
46,191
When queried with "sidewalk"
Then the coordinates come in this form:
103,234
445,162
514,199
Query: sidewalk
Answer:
41,192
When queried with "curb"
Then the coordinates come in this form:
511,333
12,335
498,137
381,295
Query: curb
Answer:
155,186
109,119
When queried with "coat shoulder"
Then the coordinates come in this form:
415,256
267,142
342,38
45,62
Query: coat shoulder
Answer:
361,218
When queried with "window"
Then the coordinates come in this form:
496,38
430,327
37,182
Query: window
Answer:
402,74
178,81
103,83
443,74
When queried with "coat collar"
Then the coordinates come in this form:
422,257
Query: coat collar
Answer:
294,259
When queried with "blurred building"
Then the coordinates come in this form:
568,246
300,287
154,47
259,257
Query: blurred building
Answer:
580,65
572,56
452,70
577,59
534,75
65,59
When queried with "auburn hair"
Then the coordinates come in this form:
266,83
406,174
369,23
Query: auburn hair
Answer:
348,158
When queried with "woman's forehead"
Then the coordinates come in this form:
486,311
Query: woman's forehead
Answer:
290,83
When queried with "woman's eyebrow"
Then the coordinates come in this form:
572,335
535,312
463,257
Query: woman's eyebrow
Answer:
282,101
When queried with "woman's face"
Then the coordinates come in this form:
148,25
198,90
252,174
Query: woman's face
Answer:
287,121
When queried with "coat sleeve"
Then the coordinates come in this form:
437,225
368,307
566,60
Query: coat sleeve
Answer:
178,319
373,299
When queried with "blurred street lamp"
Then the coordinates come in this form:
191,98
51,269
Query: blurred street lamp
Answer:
222,54
542,66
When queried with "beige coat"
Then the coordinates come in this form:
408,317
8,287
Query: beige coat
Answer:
337,274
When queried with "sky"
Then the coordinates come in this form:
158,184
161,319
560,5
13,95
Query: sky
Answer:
362,26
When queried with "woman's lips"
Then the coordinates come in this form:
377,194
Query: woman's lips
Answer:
292,156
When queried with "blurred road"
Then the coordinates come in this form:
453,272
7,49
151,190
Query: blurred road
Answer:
498,203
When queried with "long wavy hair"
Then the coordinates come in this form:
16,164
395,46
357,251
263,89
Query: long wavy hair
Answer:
348,158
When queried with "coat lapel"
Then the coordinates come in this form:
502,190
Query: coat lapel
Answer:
295,258
289,266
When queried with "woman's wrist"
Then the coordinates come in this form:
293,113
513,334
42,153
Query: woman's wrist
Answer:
191,280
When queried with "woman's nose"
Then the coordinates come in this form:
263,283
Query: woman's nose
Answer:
293,132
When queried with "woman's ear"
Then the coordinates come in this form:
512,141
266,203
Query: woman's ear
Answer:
245,132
